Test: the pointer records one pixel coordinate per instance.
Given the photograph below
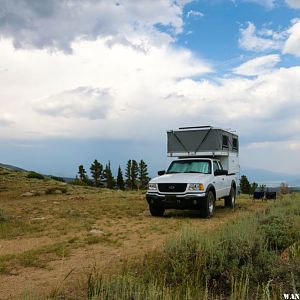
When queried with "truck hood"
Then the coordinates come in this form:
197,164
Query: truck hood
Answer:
181,178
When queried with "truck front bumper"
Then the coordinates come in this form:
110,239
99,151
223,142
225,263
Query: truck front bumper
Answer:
179,201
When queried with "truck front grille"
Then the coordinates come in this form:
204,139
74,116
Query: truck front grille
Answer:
172,187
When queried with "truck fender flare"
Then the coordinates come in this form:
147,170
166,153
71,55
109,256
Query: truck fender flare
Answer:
210,187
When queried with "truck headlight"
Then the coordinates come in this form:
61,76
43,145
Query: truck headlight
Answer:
196,187
152,186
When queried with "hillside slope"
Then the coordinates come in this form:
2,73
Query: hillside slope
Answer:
11,167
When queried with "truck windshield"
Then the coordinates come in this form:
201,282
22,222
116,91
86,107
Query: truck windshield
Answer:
190,166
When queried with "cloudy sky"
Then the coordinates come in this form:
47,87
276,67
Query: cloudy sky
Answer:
105,79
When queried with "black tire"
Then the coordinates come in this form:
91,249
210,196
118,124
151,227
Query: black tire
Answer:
156,211
230,199
208,205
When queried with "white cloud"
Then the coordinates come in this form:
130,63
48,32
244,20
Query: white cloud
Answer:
293,3
150,91
5,121
49,96
194,13
259,65
82,102
294,145
260,145
292,44
55,24
259,99
266,39
252,40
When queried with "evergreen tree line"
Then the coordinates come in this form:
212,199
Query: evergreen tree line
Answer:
136,176
249,188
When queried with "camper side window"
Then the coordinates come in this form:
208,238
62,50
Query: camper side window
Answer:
225,141
235,143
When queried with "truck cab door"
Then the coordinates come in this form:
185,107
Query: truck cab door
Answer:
218,181
225,185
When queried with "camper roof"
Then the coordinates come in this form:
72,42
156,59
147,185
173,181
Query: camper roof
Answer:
200,141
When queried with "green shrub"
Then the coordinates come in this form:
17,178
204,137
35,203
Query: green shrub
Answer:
35,175
79,182
3,216
55,190
4,173
3,268
279,231
60,179
92,239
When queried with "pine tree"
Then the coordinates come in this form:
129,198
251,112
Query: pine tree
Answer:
253,188
134,175
110,181
262,187
120,180
143,175
82,173
245,185
96,171
128,175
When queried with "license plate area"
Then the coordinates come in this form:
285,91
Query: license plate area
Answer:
171,198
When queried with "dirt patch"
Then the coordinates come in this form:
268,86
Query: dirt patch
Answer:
19,245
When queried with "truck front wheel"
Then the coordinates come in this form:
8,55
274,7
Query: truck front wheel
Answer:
156,211
208,205
230,199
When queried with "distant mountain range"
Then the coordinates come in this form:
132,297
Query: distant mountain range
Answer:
66,179
11,167
269,177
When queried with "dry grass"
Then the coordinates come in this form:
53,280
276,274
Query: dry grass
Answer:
49,228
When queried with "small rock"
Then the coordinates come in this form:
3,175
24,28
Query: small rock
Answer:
97,231
38,218
145,213
27,194
76,198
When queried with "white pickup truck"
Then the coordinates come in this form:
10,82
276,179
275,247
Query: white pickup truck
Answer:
197,178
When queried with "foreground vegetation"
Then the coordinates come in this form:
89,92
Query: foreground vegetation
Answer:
50,230
62,241
254,257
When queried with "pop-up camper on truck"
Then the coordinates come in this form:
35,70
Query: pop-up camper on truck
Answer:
206,168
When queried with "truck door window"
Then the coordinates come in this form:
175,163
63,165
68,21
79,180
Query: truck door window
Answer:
216,165
221,167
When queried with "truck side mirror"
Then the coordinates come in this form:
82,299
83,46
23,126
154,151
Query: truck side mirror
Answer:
163,172
221,172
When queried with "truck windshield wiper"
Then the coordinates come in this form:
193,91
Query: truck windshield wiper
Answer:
195,172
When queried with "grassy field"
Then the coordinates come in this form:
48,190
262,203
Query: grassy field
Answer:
254,257
71,242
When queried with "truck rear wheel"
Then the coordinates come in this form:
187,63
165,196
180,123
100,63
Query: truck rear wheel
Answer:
156,211
230,200
208,205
